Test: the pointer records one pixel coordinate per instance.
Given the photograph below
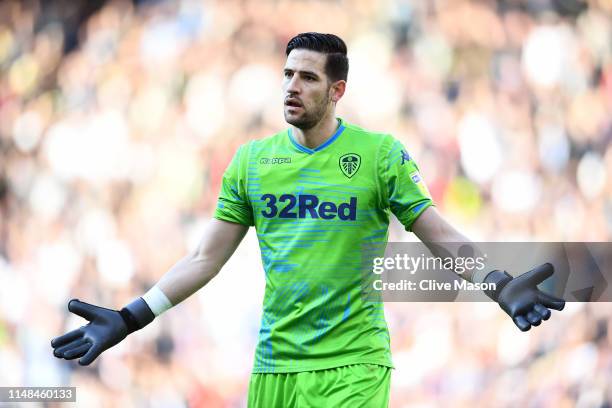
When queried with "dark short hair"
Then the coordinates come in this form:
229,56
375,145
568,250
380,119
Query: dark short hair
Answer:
336,65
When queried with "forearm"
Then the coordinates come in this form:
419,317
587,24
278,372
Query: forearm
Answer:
187,276
455,249
219,241
443,241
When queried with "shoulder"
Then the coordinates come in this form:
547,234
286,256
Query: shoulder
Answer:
382,140
373,135
363,132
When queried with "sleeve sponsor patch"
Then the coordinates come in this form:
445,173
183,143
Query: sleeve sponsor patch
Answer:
416,178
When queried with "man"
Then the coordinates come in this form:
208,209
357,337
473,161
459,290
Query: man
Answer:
315,193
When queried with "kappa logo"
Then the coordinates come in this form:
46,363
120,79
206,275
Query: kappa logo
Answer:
349,164
274,160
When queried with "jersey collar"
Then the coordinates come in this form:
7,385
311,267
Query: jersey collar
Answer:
322,146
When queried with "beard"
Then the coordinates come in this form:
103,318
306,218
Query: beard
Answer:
309,117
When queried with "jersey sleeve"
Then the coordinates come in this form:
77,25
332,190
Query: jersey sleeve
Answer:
233,204
403,188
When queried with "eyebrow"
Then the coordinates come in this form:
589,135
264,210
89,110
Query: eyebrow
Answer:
314,74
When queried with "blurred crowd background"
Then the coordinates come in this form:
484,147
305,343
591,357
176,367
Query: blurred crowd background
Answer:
117,120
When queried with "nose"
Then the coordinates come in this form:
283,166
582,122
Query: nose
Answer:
292,85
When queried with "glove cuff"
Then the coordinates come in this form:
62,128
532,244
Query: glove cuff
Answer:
500,279
137,315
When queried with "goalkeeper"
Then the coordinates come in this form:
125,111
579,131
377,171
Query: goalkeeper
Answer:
315,193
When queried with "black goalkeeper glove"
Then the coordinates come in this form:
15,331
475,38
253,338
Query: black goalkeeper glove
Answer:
520,297
106,328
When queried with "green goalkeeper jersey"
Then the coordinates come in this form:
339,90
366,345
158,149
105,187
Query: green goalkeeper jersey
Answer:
315,210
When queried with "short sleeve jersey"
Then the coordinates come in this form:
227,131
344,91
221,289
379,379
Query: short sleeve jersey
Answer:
314,211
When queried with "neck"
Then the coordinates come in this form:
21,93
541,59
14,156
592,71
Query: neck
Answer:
318,134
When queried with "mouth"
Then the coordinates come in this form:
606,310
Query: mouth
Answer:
293,103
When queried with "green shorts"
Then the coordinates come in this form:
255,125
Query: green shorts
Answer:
352,386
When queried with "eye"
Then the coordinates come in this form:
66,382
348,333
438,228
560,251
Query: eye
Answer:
288,74
309,78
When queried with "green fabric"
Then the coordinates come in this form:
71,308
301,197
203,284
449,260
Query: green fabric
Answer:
353,386
315,210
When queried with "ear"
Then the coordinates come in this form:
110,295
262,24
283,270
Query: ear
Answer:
337,90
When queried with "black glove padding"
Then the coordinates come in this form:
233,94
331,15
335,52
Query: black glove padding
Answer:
520,297
105,329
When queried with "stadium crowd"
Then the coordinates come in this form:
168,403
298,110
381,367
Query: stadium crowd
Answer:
114,137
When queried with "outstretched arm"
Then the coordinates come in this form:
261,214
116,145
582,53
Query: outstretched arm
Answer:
220,240
518,296
107,327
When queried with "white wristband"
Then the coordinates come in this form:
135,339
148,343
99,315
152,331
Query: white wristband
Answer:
157,301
